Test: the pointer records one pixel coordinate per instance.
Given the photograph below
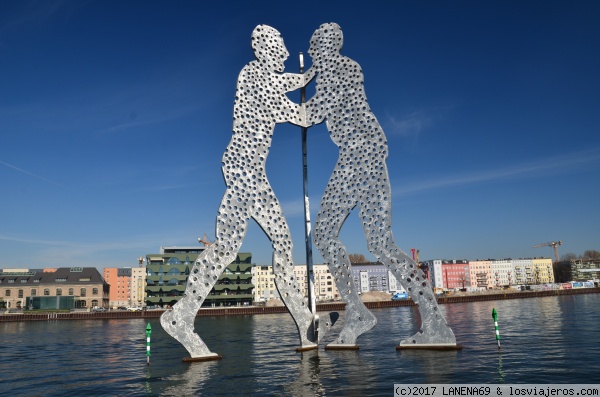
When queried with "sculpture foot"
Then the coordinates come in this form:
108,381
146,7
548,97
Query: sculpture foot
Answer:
182,329
440,336
356,324
325,323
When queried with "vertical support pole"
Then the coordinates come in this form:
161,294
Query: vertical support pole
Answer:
495,317
307,228
148,332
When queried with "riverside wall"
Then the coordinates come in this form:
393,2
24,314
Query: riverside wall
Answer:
252,310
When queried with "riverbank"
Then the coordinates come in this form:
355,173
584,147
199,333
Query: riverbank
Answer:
252,310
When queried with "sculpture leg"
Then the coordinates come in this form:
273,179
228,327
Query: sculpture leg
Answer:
376,216
293,299
434,330
358,318
179,321
277,230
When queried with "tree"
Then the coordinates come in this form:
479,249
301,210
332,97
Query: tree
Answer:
357,258
591,254
569,256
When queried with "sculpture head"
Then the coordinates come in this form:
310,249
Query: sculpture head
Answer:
269,48
326,40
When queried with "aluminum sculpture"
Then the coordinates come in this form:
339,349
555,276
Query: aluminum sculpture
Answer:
260,103
360,178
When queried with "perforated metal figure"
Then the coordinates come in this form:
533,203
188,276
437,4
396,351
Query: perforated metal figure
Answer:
260,103
360,177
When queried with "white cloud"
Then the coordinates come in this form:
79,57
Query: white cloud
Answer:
564,163
409,125
34,175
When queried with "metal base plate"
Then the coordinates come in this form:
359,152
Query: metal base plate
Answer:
306,348
336,346
211,357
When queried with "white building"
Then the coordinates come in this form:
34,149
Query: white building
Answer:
265,288
503,272
138,286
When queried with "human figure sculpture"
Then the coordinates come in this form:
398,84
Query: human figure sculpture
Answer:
360,178
260,103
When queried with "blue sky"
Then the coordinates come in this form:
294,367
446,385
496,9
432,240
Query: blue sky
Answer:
114,116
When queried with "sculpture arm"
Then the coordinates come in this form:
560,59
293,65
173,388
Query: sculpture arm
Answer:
292,113
315,112
294,81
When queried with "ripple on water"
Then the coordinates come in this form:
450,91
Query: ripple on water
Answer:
544,340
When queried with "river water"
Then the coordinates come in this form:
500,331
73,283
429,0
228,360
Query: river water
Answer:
544,340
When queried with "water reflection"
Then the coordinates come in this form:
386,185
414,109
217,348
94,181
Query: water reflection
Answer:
193,380
427,366
500,369
307,380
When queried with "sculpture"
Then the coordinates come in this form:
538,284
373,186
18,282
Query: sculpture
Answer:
360,178
260,103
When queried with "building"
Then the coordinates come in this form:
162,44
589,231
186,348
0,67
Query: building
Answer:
375,276
449,274
325,288
234,287
119,280
138,285
367,277
542,270
503,273
480,273
167,272
523,272
577,270
127,285
324,285
435,272
26,288
264,283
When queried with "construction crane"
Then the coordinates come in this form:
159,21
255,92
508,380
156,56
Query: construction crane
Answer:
204,241
415,255
553,244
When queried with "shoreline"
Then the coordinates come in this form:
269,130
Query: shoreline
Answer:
252,310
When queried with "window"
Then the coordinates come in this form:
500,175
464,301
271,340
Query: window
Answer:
82,292
58,291
46,291
33,292
20,293
7,292
61,279
71,291
174,261
95,292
